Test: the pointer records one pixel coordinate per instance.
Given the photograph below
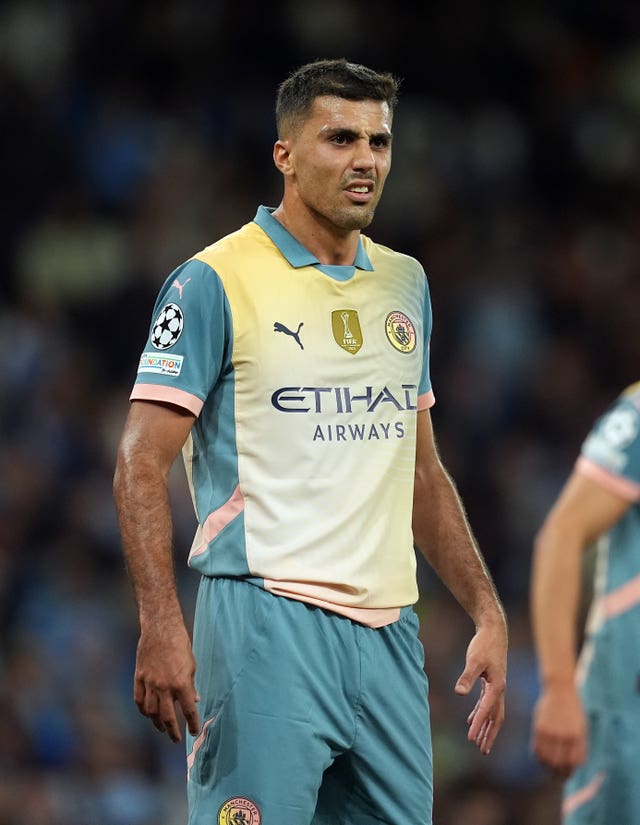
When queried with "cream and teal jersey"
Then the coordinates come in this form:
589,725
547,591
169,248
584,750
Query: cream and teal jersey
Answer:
610,661
306,381
605,788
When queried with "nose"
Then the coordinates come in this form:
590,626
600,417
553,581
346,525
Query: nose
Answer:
363,157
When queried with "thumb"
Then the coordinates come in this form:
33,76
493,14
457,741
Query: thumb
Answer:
465,681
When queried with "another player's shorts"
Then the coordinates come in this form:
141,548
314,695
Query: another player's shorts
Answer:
606,789
308,718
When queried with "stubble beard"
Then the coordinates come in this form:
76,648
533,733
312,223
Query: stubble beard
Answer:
354,217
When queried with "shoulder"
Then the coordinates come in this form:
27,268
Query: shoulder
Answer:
246,242
614,441
631,394
379,253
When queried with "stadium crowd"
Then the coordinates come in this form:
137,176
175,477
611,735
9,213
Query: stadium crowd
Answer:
133,135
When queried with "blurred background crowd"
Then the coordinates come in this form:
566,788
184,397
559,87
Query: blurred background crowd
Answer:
132,134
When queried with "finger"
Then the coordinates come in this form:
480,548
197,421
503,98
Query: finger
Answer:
190,713
477,733
555,754
544,749
471,716
490,736
483,736
187,698
150,709
139,691
486,726
481,716
168,718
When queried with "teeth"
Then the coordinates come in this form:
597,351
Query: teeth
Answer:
363,189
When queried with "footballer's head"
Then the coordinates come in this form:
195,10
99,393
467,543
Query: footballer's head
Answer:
329,78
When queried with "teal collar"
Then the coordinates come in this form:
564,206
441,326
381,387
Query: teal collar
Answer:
292,249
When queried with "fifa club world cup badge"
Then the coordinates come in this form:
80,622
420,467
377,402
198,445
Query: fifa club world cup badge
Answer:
400,332
239,811
346,329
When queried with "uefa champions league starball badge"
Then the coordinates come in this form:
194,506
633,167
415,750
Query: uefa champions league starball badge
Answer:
167,327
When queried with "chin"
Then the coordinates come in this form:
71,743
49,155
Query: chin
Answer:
355,219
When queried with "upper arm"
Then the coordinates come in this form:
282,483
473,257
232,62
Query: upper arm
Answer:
153,434
427,459
585,509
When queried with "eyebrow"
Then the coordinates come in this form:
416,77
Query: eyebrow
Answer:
351,133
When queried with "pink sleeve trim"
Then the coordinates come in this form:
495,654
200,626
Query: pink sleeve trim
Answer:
621,599
426,400
621,487
581,797
169,395
217,521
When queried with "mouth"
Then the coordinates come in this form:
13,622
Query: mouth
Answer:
360,191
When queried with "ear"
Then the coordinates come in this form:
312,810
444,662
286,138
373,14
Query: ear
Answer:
282,156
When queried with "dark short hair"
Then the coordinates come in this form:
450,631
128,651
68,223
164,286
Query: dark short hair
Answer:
336,78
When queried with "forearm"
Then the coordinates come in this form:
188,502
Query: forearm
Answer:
142,502
555,594
442,534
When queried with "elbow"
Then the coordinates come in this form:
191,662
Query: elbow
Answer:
549,536
120,474
130,465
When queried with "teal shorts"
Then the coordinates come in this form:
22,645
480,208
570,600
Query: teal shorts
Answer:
307,717
606,789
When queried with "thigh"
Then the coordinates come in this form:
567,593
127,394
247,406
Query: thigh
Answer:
272,719
387,776
603,790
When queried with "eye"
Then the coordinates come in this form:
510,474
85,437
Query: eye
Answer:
340,139
380,142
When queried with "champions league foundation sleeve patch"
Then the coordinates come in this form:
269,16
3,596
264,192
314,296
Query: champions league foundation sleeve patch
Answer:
167,327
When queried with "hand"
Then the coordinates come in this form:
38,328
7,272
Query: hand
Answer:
486,660
164,677
560,738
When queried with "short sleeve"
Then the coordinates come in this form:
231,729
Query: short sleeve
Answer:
426,398
611,452
190,339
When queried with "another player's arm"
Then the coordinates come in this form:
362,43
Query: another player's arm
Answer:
442,534
165,666
583,511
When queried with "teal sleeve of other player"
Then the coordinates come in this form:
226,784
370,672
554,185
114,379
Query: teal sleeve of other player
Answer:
190,338
427,321
614,442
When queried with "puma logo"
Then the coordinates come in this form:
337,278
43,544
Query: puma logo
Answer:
278,327
180,286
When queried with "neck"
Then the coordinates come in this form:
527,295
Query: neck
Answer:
329,244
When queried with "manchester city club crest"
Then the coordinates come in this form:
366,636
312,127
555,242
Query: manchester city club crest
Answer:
400,331
239,810
346,329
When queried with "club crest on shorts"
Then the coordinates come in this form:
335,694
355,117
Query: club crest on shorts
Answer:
239,810
346,329
400,331
167,327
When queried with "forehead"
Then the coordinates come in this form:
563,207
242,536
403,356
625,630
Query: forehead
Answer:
329,113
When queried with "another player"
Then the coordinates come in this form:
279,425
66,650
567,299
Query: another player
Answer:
587,719
290,362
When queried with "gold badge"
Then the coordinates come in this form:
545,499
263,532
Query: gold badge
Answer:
346,329
400,331
239,811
